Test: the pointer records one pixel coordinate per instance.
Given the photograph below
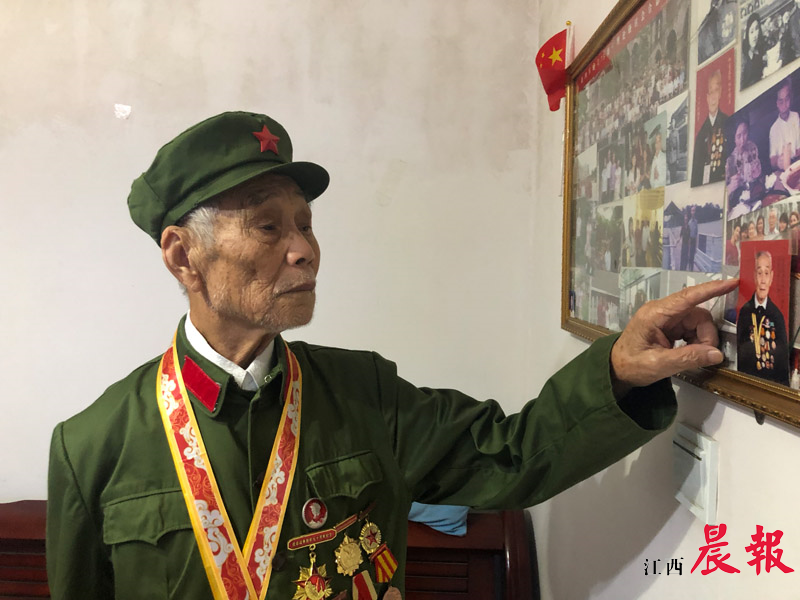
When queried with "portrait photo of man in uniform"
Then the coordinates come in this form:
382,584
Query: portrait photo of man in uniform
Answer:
242,463
713,107
761,325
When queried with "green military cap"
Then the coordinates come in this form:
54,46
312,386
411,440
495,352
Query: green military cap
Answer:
210,158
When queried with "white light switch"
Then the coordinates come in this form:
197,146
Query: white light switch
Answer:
694,466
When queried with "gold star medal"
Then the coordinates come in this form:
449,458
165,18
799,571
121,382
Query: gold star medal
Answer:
370,537
313,583
348,556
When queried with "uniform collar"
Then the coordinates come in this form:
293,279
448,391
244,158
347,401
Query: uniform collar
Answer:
207,383
248,379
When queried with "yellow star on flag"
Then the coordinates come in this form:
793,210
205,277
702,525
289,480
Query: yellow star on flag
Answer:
555,56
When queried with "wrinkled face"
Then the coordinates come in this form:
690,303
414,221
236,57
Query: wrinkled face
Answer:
784,102
753,33
763,276
261,271
713,94
741,135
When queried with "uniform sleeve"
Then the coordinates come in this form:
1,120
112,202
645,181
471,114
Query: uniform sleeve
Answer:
77,563
456,450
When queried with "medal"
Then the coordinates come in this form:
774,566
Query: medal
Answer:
348,556
370,537
392,594
385,563
315,513
313,583
363,589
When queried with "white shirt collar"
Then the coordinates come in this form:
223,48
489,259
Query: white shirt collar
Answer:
713,119
760,304
248,379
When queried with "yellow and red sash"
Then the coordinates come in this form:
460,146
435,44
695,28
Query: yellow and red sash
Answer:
233,574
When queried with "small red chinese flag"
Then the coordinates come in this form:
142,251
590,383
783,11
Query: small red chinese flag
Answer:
551,60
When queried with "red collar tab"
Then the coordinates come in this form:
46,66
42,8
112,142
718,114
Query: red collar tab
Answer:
267,139
200,384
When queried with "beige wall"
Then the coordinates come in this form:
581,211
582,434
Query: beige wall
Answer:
441,235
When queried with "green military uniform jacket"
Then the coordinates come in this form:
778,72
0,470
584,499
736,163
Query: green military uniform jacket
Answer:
118,525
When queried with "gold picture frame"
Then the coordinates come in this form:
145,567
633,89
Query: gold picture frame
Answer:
765,397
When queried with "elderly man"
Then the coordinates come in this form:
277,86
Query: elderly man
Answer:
784,134
707,163
239,466
761,333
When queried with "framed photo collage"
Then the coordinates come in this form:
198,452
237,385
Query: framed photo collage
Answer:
682,163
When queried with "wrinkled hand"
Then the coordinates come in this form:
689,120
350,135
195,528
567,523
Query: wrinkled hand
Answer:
644,352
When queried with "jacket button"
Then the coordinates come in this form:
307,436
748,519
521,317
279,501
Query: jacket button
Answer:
279,562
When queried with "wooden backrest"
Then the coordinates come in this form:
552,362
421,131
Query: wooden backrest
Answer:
496,560
23,572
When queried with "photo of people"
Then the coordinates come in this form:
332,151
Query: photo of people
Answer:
606,253
637,286
763,148
585,176
645,70
692,231
734,239
643,217
655,130
714,103
717,28
744,177
784,134
610,172
778,221
677,142
761,332
790,33
770,38
604,302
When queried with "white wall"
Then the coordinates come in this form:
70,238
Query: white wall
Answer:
421,111
441,235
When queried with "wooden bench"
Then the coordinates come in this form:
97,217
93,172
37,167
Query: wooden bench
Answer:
496,560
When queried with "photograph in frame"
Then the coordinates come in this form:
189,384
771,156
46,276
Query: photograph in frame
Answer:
714,103
762,310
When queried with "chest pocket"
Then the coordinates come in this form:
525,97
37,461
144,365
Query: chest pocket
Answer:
345,476
153,549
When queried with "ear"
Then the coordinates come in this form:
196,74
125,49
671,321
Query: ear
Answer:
180,257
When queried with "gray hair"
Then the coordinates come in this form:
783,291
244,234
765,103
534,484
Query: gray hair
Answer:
766,253
200,224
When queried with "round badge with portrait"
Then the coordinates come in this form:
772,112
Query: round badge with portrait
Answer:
315,513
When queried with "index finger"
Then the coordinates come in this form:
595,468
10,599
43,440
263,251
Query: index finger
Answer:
687,298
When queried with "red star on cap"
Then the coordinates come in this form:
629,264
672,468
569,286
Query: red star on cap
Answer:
268,141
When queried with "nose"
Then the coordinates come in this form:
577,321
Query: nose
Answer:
301,248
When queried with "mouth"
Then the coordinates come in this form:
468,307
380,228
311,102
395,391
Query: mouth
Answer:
308,286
